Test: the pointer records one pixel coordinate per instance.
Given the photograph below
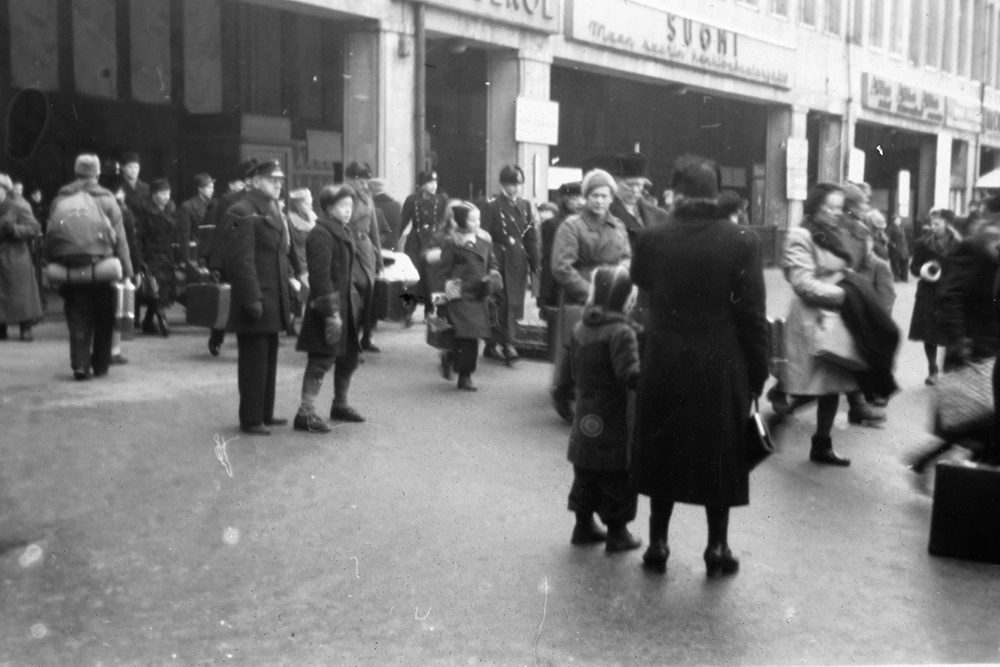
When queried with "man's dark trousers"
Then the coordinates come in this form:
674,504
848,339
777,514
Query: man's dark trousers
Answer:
256,369
90,316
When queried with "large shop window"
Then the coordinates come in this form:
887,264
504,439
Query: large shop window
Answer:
897,27
807,12
834,16
779,7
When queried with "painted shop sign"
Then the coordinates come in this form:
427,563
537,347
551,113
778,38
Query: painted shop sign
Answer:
653,33
962,116
880,94
542,15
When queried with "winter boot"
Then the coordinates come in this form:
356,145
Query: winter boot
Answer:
619,539
822,452
586,530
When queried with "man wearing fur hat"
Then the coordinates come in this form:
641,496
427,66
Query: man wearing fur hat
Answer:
512,223
90,307
191,215
364,227
421,220
629,205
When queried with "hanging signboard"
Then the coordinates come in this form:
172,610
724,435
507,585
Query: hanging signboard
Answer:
655,33
536,121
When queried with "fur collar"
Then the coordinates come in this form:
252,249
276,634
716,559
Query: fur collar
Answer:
698,209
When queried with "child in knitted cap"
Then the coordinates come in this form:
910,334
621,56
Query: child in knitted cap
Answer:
604,354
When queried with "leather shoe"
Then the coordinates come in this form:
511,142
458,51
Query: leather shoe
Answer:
621,540
119,360
655,558
275,421
720,561
213,348
510,355
865,416
80,375
256,429
369,346
465,383
490,352
345,413
829,457
587,532
310,423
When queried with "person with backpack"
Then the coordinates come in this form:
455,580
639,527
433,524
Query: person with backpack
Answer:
85,227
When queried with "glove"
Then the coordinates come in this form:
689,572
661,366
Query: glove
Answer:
254,311
453,289
333,326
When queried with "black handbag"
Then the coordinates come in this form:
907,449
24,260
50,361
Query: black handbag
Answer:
440,332
149,287
759,444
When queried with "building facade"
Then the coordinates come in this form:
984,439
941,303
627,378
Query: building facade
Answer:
904,94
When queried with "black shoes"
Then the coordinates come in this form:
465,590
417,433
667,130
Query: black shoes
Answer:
81,375
345,413
275,421
446,367
865,416
213,348
619,539
119,360
822,452
310,423
720,561
465,383
587,531
655,558
368,346
256,429
510,355
490,352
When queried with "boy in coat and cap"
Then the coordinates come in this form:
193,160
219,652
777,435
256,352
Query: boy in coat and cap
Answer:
512,223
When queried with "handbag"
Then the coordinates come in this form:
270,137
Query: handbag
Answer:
759,444
149,287
440,332
965,399
834,343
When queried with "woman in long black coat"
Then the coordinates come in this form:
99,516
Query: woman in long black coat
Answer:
929,260
705,358
331,327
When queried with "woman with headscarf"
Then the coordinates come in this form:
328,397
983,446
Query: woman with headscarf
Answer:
929,260
704,360
19,297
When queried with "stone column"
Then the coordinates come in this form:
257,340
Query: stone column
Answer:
830,150
782,123
925,180
396,143
512,74
942,170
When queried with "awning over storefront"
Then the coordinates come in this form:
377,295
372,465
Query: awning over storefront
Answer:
989,180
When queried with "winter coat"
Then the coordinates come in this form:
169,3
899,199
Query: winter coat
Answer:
813,272
19,296
548,290
898,250
475,266
364,227
604,354
137,198
331,255
109,205
705,355
878,272
299,227
581,245
647,216
392,210
512,224
875,335
131,228
425,215
255,262
214,216
924,322
966,316
190,216
157,235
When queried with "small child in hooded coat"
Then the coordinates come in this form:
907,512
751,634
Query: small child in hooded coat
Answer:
604,354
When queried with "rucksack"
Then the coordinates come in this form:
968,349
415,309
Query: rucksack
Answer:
78,226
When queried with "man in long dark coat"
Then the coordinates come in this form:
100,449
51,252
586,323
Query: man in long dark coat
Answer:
364,229
191,215
512,223
391,209
255,259
629,205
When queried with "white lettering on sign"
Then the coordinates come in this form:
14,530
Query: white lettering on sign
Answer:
540,15
653,33
896,98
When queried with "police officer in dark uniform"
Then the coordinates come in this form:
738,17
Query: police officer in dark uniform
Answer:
423,214
255,258
239,181
512,223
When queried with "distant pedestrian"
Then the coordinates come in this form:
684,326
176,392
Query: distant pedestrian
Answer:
422,220
20,302
157,235
136,190
191,216
605,366
391,209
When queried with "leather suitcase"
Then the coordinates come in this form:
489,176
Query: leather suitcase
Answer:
965,521
531,338
125,309
208,305
390,303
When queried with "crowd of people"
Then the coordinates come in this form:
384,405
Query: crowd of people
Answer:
657,308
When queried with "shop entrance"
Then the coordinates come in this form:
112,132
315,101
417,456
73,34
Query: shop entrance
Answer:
456,117
600,114
890,152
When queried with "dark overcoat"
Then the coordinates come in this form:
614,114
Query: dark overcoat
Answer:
705,355
156,235
19,297
474,264
330,255
647,216
924,323
364,226
966,313
190,216
604,353
514,230
425,214
214,216
255,258
548,289
392,210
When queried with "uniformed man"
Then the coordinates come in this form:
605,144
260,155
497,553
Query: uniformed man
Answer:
512,222
364,229
421,220
255,260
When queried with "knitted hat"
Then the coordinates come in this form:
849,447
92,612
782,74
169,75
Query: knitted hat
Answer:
695,177
332,194
595,179
87,166
511,175
358,170
611,288
159,185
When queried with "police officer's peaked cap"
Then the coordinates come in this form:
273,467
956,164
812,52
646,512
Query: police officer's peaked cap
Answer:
357,170
426,177
269,169
574,189
633,165
609,163
511,175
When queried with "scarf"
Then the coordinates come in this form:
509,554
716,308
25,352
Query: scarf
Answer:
831,237
303,219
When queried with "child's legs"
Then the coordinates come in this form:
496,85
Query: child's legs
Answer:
316,367
464,355
618,501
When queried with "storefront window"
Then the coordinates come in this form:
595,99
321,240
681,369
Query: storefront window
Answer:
858,22
877,24
807,13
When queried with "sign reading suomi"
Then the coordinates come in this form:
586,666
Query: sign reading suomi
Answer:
653,33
